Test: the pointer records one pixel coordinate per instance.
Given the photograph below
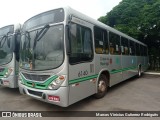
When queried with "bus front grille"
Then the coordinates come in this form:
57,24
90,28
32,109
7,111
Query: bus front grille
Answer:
35,93
35,77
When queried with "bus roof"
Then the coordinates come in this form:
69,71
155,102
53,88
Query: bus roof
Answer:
70,11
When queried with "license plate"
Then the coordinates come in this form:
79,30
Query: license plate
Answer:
54,98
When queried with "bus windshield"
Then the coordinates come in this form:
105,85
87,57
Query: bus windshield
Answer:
42,49
5,52
49,17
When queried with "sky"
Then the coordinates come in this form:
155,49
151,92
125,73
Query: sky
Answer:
18,11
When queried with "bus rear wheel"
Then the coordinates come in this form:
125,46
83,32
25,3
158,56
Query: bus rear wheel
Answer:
102,86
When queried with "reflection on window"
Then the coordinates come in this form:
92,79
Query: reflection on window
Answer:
132,48
114,44
81,44
48,51
5,52
101,41
137,49
5,30
53,16
124,46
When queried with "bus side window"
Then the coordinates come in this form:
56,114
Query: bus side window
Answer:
81,44
111,48
101,41
125,46
114,44
131,48
145,51
137,49
142,50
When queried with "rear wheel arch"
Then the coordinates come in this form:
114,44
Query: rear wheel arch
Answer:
106,73
102,84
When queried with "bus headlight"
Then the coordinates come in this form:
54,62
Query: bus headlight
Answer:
57,82
8,72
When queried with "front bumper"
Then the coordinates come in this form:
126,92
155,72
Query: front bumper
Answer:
43,95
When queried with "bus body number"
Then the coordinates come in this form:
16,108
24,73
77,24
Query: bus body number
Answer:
82,73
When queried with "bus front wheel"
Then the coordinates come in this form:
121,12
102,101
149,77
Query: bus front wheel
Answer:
101,86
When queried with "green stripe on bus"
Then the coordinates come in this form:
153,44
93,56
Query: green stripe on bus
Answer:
122,70
95,76
1,76
3,72
45,84
82,79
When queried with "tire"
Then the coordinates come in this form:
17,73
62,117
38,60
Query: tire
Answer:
102,86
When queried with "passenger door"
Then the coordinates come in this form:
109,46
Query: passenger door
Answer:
81,64
115,59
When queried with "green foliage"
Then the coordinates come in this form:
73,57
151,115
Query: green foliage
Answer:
139,19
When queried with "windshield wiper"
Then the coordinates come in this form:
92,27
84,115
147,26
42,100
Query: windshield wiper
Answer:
26,35
5,37
40,34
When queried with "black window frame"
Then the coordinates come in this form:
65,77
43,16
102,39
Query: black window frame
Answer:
138,49
70,43
101,49
124,42
132,50
145,51
112,48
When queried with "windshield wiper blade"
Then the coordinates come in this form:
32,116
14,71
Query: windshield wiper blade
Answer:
40,34
26,35
2,37
5,37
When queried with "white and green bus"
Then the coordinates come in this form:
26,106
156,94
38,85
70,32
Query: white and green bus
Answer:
66,56
9,55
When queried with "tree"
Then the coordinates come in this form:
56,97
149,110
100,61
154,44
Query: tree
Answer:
139,19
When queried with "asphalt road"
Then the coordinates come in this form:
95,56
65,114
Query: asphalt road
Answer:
135,94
